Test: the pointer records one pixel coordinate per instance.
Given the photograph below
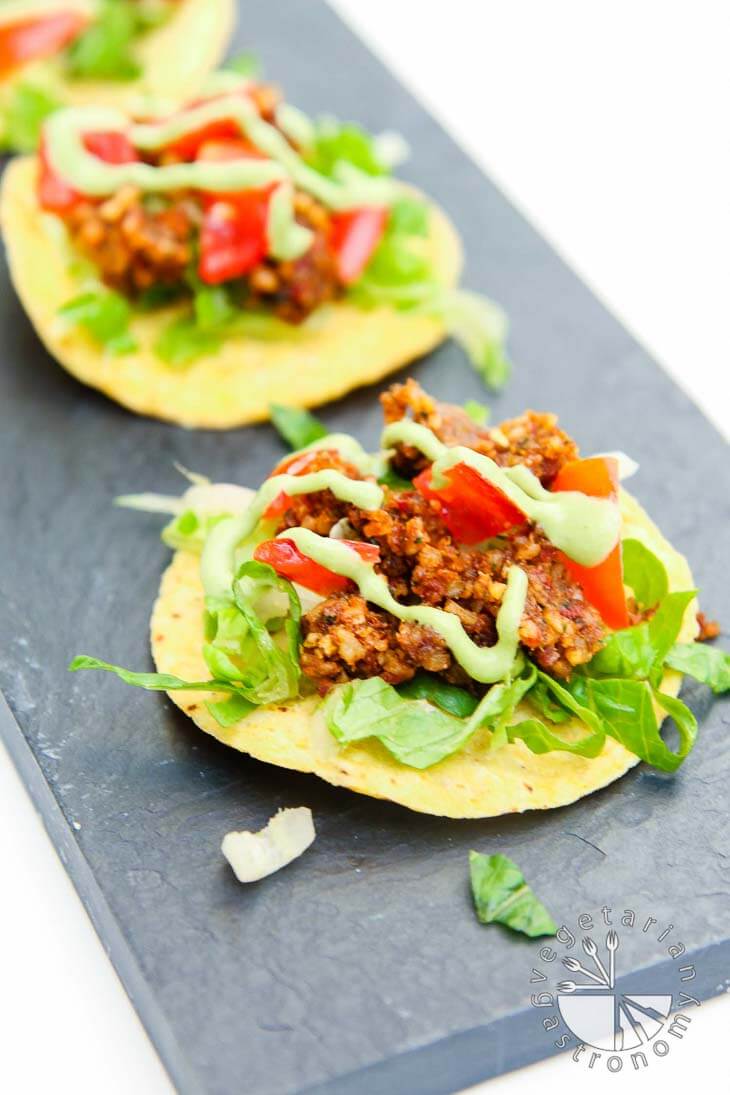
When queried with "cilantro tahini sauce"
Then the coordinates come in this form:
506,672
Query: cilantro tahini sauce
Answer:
486,664
218,562
585,528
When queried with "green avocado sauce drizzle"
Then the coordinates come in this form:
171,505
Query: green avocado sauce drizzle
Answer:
64,137
585,528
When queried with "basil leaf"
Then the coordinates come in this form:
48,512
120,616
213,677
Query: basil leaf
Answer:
298,427
105,316
22,117
153,682
706,664
644,573
104,50
455,701
502,896
478,412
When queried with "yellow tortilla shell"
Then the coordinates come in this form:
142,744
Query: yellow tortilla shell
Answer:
176,58
339,348
472,783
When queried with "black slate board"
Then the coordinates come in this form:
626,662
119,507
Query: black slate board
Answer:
361,967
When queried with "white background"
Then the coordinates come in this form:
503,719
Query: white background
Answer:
606,122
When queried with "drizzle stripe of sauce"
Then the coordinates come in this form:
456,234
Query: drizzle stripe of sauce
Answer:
486,664
585,528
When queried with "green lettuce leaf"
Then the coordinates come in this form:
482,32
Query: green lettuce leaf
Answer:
246,64
479,326
23,117
229,712
706,664
502,896
253,642
638,653
189,530
152,682
298,427
105,49
408,216
644,573
183,341
455,701
337,142
627,713
105,316
478,412
416,733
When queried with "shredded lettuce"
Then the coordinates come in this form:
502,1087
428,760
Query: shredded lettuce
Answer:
21,119
245,64
449,697
502,896
479,326
105,49
478,412
183,341
253,641
296,426
638,653
105,316
644,573
251,647
337,142
706,664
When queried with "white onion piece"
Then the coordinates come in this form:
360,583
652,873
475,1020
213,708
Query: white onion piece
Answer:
256,855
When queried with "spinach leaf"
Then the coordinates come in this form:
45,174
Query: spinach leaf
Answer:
501,895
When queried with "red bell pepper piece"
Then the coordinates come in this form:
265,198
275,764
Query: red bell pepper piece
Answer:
233,237
354,235
287,560
602,585
299,463
55,194
30,39
471,508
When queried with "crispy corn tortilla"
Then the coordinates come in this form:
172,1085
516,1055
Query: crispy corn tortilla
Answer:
339,348
176,58
472,783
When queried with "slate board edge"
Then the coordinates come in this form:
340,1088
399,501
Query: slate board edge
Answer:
439,1068
105,925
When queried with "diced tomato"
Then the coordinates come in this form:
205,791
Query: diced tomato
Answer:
30,39
354,235
111,146
55,194
299,463
233,238
288,561
602,585
187,146
230,148
471,508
